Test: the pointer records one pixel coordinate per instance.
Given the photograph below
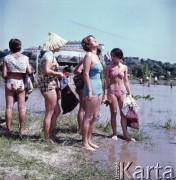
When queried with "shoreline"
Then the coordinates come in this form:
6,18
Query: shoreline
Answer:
134,81
159,82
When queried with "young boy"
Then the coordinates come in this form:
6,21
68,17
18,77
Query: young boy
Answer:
63,82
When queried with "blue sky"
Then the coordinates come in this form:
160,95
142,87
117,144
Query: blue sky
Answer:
141,28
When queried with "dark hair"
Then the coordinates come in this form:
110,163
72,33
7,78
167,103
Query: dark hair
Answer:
15,45
85,42
67,69
98,51
117,53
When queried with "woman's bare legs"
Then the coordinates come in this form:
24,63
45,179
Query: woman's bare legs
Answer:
21,110
113,109
55,115
124,120
50,105
91,107
81,111
97,106
86,122
9,108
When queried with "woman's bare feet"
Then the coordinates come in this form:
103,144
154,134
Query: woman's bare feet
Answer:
54,138
114,137
88,147
93,145
21,133
79,132
48,141
132,139
128,138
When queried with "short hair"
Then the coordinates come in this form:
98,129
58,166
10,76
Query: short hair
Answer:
117,53
67,69
85,42
15,45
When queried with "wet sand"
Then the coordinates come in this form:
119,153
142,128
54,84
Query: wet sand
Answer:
160,145
159,148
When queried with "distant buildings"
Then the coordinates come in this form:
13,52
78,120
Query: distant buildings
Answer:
33,50
71,53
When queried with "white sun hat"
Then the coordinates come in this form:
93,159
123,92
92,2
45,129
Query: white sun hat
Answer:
53,42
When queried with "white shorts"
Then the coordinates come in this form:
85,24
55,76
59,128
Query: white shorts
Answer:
14,84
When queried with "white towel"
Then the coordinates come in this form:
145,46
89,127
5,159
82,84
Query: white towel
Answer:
129,102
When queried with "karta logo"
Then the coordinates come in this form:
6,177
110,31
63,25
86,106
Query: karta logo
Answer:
125,171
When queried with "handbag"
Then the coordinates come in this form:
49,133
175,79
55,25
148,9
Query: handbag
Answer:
28,84
68,100
132,118
131,114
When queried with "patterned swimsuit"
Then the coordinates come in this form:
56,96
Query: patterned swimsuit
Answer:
47,82
16,65
117,92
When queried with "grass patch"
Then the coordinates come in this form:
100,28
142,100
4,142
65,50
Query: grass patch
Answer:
138,135
104,127
30,158
169,124
27,168
147,97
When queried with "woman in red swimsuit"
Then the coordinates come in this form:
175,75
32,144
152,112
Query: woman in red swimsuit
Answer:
116,86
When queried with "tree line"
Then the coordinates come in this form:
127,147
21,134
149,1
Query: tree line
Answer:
141,68
137,68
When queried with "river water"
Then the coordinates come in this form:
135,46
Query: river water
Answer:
161,108
161,148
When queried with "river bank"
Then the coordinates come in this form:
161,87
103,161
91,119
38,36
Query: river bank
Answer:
30,158
159,82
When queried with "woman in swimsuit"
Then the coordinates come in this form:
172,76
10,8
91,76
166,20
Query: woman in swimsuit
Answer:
79,83
92,90
15,66
49,85
116,86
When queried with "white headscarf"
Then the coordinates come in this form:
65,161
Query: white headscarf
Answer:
53,42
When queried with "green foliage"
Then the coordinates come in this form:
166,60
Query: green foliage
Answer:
4,53
169,124
104,127
142,68
0,78
148,97
138,135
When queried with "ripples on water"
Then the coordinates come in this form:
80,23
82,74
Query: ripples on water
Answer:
160,109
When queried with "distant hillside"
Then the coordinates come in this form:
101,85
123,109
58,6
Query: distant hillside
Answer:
141,68
137,67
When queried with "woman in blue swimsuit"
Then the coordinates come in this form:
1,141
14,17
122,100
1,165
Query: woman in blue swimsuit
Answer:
92,90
